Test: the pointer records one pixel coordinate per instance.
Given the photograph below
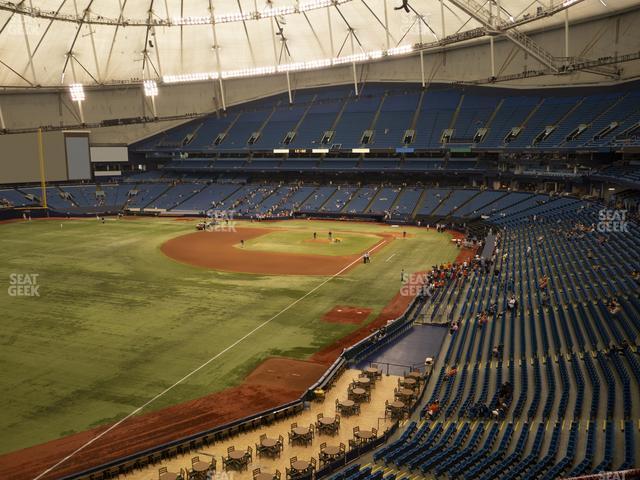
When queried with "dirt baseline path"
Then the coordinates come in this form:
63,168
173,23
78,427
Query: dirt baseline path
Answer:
216,250
272,383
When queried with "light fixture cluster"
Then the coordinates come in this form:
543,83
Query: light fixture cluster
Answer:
150,88
191,20
401,50
358,57
76,90
249,72
289,67
256,15
300,66
189,77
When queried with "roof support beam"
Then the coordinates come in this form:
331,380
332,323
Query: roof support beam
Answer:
493,58
315,35
182,37
122,4
385,24
246,33
353,64
421,19
283,41
73,44
485,17
146,59
273,43
352,32
216,49
73,58
3,125
11,16
29,52
36,12
22,77
566,33
46,30
157,49
95,54
330,32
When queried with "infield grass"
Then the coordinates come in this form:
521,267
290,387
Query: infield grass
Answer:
302,241
116,321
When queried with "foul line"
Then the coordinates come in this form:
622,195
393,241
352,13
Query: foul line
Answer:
215,357
390,257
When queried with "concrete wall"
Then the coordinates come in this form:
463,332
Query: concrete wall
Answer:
618,34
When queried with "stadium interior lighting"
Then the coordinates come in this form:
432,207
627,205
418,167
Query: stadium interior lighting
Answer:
150,88
249,72
289,67
401,50
190,77
76,90
256,15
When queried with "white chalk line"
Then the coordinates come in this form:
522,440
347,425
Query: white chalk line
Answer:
390,257
215,357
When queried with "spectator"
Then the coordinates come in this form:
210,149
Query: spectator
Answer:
613,306
433,409
544,281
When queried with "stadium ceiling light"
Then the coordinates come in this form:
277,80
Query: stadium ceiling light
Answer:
150,88
249,72
289,67
190,77
76,90
268,12
402,50
91,18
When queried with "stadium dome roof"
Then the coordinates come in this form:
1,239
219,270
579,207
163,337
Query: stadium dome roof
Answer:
59,42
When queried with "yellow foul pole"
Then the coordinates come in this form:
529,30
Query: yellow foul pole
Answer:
43,180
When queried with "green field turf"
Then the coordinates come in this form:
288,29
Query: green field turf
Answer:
344,243
116,321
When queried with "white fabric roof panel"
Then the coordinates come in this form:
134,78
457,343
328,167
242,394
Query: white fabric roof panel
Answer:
110,46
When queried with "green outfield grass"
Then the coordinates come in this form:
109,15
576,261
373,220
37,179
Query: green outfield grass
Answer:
116,321
302,241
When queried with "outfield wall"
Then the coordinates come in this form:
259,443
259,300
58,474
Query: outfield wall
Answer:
66,157
19,161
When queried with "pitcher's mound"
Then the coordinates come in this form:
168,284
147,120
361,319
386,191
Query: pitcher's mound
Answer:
347,314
